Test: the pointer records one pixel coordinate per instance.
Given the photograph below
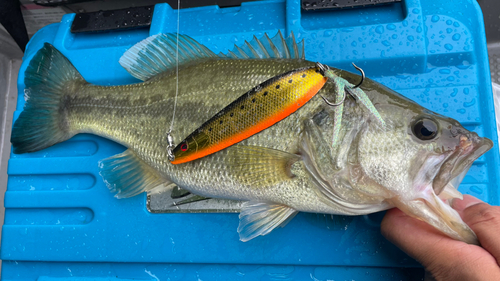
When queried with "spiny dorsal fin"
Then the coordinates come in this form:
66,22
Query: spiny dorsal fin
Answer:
259,218
268,48
157,54
127,175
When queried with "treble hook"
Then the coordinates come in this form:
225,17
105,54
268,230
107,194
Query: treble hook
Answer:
322,67
362,75
334,104
326,72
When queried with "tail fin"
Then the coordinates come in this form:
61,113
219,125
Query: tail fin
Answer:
50,76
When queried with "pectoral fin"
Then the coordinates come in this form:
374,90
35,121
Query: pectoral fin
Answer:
260,166
127,175
259,218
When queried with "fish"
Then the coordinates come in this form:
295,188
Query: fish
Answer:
256,110
415,162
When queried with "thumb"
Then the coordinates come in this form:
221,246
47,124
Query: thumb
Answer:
484,219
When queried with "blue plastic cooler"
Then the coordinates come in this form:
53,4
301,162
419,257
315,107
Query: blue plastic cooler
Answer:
62,223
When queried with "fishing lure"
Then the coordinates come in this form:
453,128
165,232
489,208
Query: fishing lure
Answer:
256,110
342,86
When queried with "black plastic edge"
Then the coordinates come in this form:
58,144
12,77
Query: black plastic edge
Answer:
312,5
112,20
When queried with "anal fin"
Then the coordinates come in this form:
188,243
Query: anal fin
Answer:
259,218
127,175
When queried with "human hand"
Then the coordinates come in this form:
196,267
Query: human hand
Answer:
446,258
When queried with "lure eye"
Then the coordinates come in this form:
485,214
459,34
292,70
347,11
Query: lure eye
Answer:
425,129
184,147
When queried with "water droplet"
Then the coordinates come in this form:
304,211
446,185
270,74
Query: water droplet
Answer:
355,52
415,11
466,91
449,22
471,103
456,37
456,24
322,45
379,29
450,78
391,27
386,43
449,30
444,71
448,47
461,110
435,18
445,105
419,29
476,189
327,33
410,38
354,43
394,36
405,23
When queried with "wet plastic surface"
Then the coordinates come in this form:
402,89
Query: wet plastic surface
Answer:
61,221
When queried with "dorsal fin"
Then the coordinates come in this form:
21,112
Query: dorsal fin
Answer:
268,48
157,54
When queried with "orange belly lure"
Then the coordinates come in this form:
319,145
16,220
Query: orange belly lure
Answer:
256,110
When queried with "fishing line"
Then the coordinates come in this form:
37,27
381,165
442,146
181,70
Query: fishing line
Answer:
170,139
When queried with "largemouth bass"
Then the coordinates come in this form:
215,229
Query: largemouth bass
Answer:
414,162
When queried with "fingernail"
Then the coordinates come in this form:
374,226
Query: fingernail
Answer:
468,201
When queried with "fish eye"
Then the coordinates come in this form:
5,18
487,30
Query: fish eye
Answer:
425,128
184,147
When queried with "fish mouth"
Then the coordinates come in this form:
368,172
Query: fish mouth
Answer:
431,202
456,165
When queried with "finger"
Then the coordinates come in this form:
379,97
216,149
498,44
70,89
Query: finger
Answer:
416,238
467,201
484,219
441,255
